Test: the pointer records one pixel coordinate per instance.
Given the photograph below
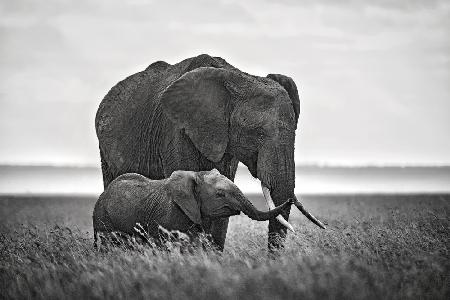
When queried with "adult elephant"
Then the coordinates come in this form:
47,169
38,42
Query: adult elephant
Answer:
199,114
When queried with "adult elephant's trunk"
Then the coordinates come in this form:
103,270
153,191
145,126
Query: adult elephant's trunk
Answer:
252,212
276,171
297,203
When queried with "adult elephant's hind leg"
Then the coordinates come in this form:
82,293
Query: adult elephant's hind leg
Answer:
107,175
218,231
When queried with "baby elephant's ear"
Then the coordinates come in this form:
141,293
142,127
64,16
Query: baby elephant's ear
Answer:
180,188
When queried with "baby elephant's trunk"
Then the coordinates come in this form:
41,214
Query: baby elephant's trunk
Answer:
252,212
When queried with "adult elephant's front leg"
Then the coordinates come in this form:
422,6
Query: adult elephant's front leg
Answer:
218,232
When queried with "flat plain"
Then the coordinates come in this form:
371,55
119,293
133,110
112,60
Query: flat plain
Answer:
375,246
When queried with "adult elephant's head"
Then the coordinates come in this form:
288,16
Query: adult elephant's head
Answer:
252,118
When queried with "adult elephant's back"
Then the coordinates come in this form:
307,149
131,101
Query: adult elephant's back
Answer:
114,122
128,121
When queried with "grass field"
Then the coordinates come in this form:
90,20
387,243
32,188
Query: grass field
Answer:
374,247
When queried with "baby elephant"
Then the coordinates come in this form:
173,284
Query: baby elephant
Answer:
181,202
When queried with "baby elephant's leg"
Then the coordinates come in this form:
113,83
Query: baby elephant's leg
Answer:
95,239
100,241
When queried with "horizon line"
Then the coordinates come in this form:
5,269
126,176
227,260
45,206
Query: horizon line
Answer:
240,166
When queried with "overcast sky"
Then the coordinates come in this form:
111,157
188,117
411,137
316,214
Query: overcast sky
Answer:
373,79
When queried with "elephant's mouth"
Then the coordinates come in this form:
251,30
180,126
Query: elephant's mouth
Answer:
271,205
224,212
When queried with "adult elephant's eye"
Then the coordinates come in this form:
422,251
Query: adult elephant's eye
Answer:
220,194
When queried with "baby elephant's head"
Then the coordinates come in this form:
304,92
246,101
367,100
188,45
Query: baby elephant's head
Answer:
215,196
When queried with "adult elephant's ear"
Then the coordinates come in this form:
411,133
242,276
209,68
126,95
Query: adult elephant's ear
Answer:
289,85
180,188
197,102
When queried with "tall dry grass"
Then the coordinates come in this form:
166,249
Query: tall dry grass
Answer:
375,247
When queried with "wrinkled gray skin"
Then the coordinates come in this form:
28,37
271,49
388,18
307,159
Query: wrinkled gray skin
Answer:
180,202
199,114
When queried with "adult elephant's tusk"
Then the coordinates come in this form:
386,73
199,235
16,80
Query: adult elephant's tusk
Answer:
271,205
307,214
